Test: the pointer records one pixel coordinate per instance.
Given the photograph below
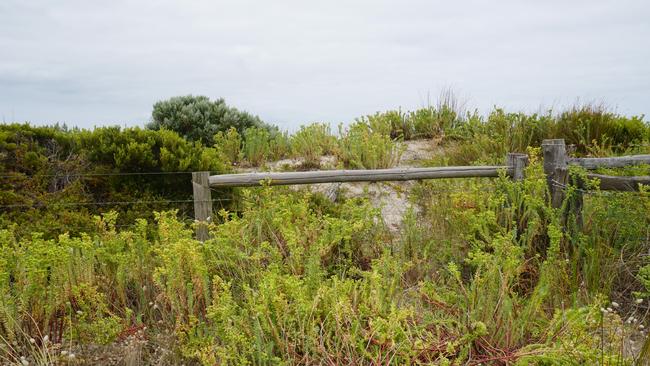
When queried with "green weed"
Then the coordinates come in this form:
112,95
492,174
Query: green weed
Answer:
362,148
311,142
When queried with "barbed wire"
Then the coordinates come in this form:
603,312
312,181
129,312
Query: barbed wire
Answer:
592,192
629,145
18,175
108,203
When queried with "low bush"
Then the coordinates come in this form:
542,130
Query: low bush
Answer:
261,145
431,122
391,123
587,129
362,148
55,180
279,144
283,282
483,271
428,122
594,124
197,118
311,142
229,144
256,146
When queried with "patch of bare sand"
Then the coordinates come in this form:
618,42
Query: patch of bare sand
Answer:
418,151
391,197
290,164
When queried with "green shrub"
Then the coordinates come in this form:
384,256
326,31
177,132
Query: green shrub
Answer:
447,117
197,118
311,142
588,124
60,175
586,127
262,145
391,123
279,145
256,145
589,129
280,281
361,148
229,143
483,271
431,122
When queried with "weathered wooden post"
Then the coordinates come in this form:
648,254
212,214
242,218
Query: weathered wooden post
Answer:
202,203
555,168
518,162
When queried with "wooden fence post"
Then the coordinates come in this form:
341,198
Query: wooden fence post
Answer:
555,168
518,162
202,203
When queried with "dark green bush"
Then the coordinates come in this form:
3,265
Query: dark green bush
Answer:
51,172
197,118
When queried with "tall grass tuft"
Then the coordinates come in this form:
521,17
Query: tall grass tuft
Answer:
256,148
311,142
362,148
229,143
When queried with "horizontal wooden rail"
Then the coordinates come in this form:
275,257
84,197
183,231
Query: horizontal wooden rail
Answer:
617,183
330,176
613,162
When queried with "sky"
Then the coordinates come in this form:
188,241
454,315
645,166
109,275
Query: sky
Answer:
91,63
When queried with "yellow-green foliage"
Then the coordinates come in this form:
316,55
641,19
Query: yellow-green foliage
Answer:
391,123
261,145
482,271
590,129
229,143
89,319
488,276
311,142
256,145
60,174
280,145
362,148
428,122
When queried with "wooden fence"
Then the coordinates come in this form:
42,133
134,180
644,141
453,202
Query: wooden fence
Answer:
556,163
556,168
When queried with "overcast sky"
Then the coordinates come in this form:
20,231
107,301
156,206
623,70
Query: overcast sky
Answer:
91,63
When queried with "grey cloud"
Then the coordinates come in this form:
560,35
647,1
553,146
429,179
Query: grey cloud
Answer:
293,62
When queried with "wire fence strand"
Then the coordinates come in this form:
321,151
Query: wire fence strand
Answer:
92,174
107,203
592,192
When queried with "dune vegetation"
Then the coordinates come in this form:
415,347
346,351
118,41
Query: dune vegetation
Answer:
99,264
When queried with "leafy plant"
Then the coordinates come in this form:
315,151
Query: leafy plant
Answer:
229,143
197,118
279,145
483,271
256,145
311,142
361,148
